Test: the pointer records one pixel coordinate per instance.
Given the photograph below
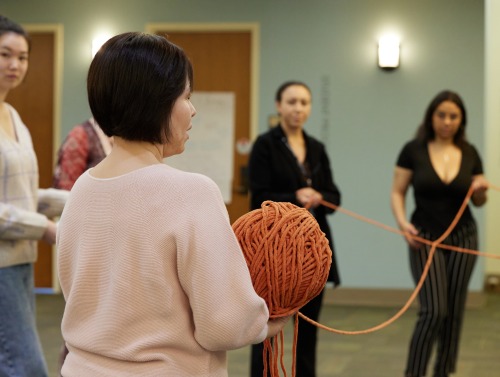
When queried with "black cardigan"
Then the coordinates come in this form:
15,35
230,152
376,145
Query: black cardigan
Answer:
274,174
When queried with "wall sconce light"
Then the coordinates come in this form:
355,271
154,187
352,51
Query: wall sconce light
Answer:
97,42
388,52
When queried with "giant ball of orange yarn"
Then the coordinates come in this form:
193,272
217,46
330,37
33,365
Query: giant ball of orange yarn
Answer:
287,254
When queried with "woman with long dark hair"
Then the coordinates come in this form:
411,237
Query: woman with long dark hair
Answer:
441,166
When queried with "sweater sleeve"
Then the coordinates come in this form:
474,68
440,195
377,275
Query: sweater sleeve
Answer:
51,201
227,312
19,224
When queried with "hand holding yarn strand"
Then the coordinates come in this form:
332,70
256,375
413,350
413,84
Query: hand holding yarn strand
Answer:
289,259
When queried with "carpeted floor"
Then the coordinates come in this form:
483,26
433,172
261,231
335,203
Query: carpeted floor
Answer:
378,354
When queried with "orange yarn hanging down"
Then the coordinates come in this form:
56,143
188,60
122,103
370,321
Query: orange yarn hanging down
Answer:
289,260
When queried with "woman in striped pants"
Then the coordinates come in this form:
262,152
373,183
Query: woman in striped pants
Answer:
441,166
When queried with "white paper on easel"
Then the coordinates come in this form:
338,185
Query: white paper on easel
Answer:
209,150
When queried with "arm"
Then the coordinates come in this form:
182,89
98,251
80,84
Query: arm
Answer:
19,219
331,192
49,236
479,183
400,184
18,224
51,201
480,186
227,312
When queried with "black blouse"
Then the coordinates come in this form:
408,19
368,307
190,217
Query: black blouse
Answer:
436,202
275,174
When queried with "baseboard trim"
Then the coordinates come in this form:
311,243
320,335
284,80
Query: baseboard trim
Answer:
385,297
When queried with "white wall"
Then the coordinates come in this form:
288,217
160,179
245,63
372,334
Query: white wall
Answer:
492,132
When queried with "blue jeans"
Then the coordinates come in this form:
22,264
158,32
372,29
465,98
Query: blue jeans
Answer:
20,350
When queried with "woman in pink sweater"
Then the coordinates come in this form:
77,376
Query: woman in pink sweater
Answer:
154,279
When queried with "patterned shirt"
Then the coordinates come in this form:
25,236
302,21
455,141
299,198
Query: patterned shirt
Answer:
82,149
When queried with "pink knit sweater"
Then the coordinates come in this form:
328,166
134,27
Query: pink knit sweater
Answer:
154,279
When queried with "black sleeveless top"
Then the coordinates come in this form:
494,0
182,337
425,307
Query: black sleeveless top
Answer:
436,202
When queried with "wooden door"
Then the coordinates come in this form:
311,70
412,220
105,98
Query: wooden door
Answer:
222,62
34,100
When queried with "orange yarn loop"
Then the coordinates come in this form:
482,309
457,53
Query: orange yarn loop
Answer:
289,260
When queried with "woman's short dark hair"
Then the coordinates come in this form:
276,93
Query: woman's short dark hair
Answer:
285,85
133,83
426,132
9,26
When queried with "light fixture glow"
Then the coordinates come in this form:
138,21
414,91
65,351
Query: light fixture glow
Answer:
388,51
98,41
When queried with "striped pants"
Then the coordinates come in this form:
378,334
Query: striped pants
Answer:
442,302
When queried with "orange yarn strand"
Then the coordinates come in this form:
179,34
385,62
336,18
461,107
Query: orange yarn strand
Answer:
434,244
289,259
417,238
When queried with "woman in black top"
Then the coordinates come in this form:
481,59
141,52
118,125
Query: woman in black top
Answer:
287,165
441,166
